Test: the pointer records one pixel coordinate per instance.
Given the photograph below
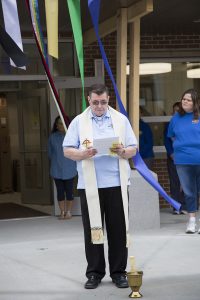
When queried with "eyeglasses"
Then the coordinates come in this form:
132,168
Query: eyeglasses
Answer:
188,100
101,102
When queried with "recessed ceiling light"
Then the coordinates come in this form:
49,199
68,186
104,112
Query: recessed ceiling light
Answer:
193,73
152,68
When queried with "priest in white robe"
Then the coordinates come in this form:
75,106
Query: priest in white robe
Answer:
103,181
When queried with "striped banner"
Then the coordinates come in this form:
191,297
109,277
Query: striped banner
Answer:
63,116
37,26
11,49
11,20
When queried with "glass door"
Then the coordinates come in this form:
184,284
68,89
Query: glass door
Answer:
33,137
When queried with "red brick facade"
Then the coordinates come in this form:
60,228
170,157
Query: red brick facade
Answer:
160,168
148,42
166,42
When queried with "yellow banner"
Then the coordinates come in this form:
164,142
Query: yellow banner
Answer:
51,7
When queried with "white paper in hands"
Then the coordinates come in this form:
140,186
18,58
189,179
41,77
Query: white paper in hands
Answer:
103,145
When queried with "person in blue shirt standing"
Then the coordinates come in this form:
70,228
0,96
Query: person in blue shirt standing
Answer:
146,143
63,170
176,190
103,181
184,130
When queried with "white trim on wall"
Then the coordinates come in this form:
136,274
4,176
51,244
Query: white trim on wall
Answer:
156,119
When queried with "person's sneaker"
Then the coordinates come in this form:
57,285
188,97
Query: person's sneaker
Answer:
191,227
199,231
92,282
120,281
176,212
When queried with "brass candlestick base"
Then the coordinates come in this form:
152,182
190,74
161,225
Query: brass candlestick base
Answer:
135,282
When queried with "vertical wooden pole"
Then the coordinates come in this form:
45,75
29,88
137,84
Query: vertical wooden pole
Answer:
122,53
134,78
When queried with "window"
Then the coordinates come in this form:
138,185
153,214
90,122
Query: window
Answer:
63,66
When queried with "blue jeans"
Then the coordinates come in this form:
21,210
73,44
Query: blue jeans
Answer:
189,176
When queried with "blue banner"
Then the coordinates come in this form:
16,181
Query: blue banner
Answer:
94,8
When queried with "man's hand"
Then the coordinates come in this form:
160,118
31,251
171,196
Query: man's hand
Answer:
125,153
79,154
118,149
88,153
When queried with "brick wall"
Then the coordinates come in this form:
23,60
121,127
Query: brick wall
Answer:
150,42
160,168
167,42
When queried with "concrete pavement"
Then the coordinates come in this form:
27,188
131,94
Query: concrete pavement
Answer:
43,259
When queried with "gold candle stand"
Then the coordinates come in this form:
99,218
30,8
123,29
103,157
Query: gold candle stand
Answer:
134,280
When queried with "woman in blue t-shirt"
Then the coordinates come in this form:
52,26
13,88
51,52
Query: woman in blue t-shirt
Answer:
63,170
184,129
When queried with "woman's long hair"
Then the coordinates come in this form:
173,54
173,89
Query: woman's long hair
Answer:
54,128
196,103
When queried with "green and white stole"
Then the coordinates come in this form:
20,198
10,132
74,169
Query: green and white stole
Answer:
89,174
